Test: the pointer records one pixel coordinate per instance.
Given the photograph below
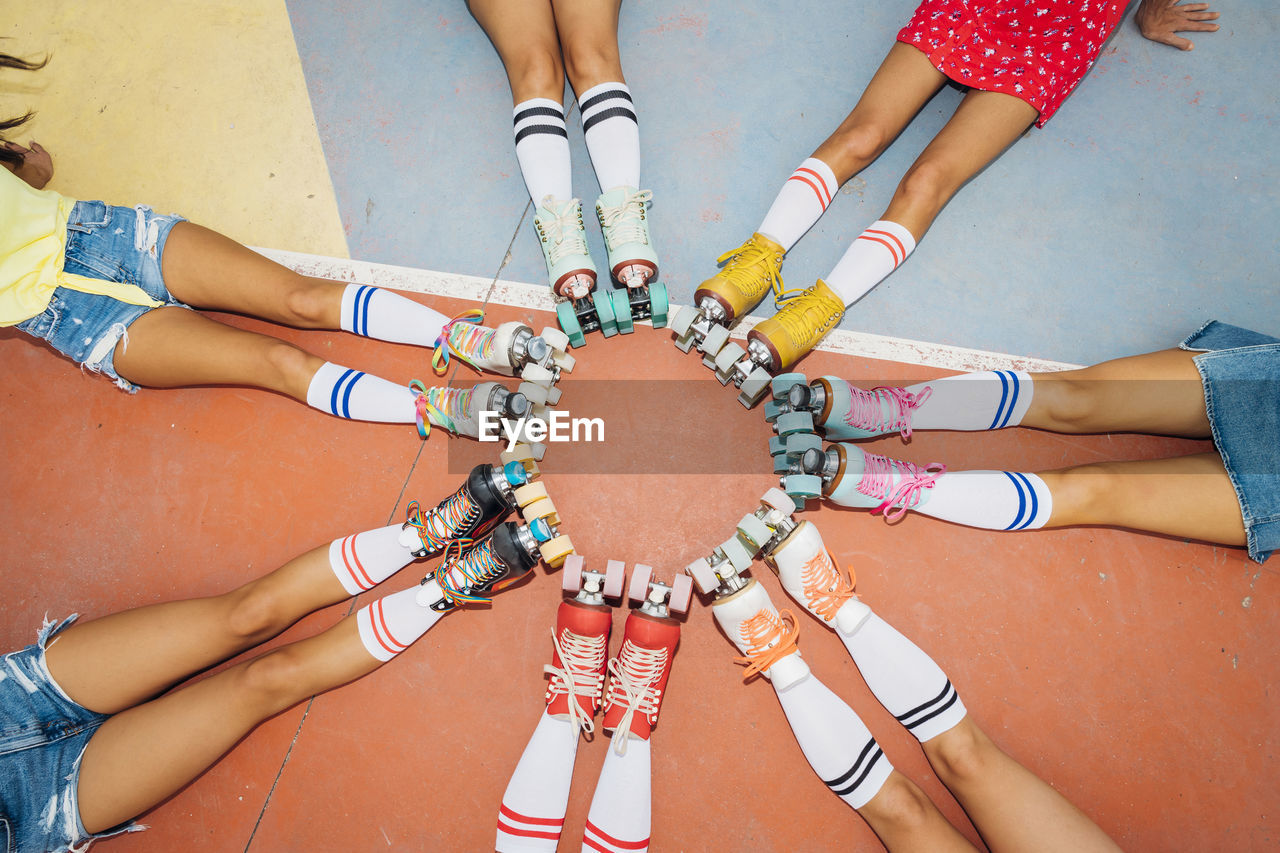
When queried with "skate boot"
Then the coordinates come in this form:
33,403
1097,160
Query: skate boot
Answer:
638,675
842,411
581,641
632,261
810,576
766,638
748,274
461,410
580,308
479,503
509,349
847,475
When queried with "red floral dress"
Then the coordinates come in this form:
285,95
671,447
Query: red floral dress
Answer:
1036,50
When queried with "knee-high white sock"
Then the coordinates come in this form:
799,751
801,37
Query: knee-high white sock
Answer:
837,744
350,393
618,821
533,807
612,133
376,313
905,679
803,198
542,147
995,500
874,254
991,399
389,625
361,561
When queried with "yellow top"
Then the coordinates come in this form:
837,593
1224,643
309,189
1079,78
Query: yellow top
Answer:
33,245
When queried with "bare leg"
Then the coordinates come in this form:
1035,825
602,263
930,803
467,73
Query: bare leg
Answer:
524,33
1187,496
1012,808
906,819
1159,392
588,32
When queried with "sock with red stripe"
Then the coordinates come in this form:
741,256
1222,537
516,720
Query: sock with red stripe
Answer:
618,821
542,147
803,198
836,743
361,561
993,500
875,253
389,625
905,679
376,313
612,133
533,806
992,399
350,393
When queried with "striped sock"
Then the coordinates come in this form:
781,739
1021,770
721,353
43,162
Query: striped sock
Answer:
533,806
619,819
803,198
874,254
542,147
992,399
361,561
994,500
613,135
389,625
376,313
905,679
349,393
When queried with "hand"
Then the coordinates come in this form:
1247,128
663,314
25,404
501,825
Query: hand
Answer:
37,163
1159,20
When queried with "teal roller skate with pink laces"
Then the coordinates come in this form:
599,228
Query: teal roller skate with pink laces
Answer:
847,475
633,263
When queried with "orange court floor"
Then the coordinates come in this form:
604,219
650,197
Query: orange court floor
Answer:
1130,671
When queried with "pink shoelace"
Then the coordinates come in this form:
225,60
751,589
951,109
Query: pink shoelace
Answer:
877,482
867,408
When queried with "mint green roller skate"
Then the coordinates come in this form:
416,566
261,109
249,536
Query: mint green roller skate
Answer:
632,261
580,308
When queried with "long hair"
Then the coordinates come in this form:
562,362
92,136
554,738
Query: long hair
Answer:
7,61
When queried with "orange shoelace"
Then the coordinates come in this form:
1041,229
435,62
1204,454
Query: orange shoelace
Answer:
827,586
770,637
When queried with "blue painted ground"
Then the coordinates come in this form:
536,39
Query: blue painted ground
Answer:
1147,205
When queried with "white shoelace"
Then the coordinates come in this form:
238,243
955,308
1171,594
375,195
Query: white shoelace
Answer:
634,670
564,237
580,675
622,223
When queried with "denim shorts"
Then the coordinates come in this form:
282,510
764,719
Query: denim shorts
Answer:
1240,370
123,244
42,739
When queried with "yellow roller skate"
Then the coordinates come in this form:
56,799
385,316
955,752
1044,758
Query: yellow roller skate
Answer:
749,272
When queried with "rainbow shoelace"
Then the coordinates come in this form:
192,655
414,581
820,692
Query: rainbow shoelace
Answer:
464,337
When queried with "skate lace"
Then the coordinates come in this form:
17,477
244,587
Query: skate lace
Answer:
752,268
877,482
624,223
477,566
769,637
438,405
464,337
632,675
808,317
826,586
580,675
439,527
563,229
867,408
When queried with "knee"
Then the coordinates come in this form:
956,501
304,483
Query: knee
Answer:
928,184
255,614
273,682
538,70
961,754
293,368
589,64
863,141
1071,405
899,804
1083,494
308,304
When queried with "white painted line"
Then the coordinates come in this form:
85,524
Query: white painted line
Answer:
537,297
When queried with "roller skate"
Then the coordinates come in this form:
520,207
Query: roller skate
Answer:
482,501
722,572
811,576
847,475
580,308
765,636
749,272
632,261
842,411
459,410
581,639
510,349
638,675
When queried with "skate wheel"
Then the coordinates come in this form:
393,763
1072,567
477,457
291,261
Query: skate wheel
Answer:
783,382
538,374
638,591
799,442
777,445
774,409
779,500
795,422
530,493
737,554
523,454
538,451
553,396
683,321
565,362
556,551
604,311
615,577
568,319
781,464
658,304
681,594
541,509
534,393
686,343
703,575
556,339
753,387
754,531
622,310
725,360
715,340
803,486
571,580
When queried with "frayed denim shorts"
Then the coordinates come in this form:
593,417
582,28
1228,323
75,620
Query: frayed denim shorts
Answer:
1240,370
43,735
123,244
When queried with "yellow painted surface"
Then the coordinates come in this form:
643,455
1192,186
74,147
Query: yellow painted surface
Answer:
198,108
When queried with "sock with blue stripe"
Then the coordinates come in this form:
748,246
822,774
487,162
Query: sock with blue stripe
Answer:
995,500
903,678
975,401
376,313
350,393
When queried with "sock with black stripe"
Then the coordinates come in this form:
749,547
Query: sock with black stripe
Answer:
804,197
992,399
905,679
390,625
350,393
542,147
377,313
361,561
835,741
612,133
994,500
874,254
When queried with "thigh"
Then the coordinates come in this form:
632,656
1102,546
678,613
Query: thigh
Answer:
984,125
588,31
524,34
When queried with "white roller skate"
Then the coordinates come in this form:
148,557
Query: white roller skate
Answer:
810,575
580,308
510,349
633,263
458,410
766,638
